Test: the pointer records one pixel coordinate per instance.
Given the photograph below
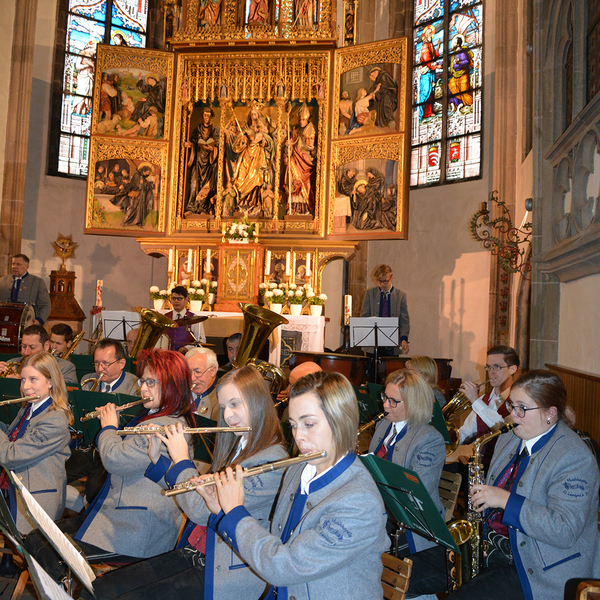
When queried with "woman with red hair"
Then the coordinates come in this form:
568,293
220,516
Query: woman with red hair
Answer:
129,519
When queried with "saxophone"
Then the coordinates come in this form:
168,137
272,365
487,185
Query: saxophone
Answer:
468,533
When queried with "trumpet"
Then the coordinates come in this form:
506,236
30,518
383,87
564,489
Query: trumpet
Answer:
96,413
141,430
12,368
17,400
190,486
95,382
456,406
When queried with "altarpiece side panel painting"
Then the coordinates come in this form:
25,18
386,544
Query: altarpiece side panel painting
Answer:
368,189
126,192
370,90
132,93
252,141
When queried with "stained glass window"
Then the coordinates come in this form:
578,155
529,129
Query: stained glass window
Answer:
447,95
88,23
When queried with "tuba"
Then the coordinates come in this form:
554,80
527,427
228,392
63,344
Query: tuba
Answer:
467,533
152,325
259,323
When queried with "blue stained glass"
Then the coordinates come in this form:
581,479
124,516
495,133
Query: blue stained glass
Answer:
458,4
428,10
95,9
81,32
428,42
467,23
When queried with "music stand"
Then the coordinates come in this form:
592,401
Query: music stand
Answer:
374,331
408,501
116,324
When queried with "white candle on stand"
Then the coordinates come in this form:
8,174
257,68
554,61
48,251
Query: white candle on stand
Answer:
170,259
189,265
208,265
308,271
268,265
288,257
347,309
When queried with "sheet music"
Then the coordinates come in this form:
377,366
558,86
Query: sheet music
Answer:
76,562
49,588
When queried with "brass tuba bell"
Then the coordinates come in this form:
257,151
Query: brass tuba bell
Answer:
259,323
152,325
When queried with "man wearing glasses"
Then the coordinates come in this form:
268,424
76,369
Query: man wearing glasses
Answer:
109,365
501,365
180,336
203,364
387,301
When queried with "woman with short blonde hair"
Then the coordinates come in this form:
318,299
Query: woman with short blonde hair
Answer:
427,367
405,437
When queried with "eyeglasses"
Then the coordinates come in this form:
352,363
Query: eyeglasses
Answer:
385,281
495,368
520,411
391,401
198,373
104,365
177,298
149,382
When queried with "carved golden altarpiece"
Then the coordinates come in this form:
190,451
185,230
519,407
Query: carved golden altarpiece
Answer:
236,121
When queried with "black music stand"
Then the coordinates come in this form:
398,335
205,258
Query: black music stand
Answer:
374,331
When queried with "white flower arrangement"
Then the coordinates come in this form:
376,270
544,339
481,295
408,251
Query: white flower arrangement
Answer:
214,284
314,299
278,294
241,230
292,286
296,296
272,286
158,294
203,282
196,283
195,293
268,294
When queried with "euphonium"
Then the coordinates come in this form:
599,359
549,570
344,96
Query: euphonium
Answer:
456,406
152,325
95,382
467,533
190,486
258,324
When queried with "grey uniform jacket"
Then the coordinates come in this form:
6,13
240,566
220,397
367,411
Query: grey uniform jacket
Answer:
422,449
232,578
334,552
32,291
552,515
398,308
134,519
127,386
38,458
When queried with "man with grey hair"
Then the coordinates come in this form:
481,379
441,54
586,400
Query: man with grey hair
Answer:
203,365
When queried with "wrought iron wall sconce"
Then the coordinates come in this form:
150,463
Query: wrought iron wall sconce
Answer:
512,245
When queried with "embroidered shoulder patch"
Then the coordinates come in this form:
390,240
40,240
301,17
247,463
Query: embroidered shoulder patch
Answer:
575,487
333,531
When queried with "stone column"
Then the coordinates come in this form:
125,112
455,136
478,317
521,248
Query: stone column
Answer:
17,131
504,158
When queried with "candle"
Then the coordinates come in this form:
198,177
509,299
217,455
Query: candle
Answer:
189,261
223,230
288,257
347,309
268,265
208,265
308,271
170,259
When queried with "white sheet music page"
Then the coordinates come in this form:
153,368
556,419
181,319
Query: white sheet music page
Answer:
77,563
50,588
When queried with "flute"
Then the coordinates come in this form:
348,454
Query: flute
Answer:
190,486
141,430
16,400
96,413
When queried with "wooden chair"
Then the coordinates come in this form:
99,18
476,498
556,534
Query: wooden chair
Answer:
449,488
395,577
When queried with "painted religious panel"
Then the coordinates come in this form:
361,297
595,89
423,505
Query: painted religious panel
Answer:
132,93
371,90
368,189
126,188
252,141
